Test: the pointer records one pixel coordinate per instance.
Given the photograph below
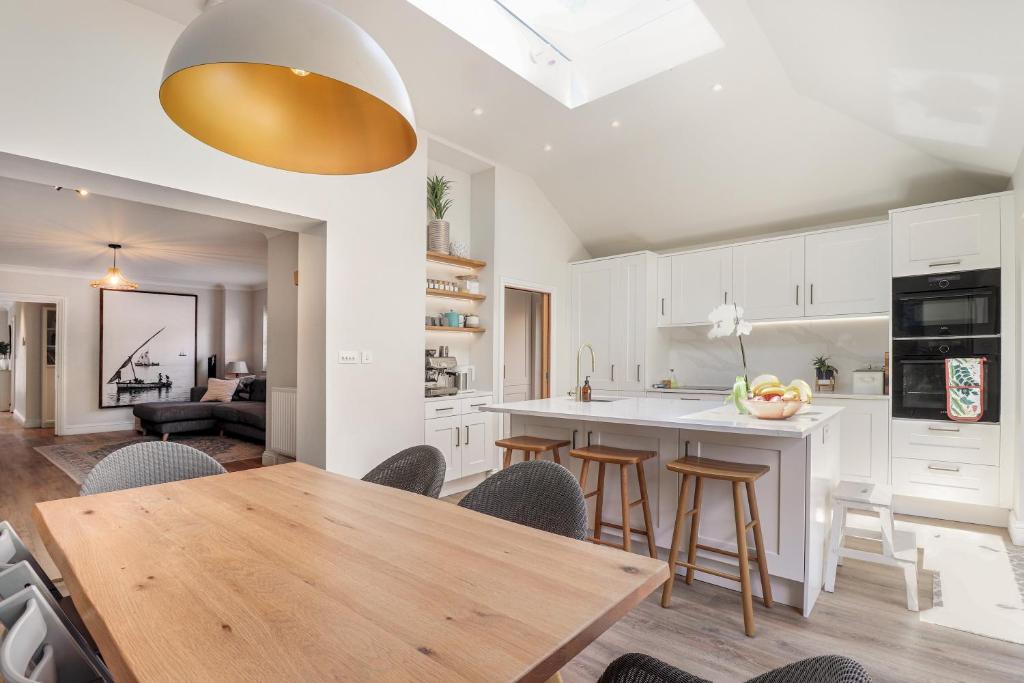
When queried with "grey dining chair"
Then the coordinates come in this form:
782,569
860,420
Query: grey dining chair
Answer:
641,668
147,463
419,469
538,494
19,566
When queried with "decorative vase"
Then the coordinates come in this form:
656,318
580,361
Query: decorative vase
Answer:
460,249
437,236
5,364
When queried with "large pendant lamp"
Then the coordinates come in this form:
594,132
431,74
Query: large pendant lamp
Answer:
291,84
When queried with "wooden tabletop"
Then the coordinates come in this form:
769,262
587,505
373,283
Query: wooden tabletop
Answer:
291,573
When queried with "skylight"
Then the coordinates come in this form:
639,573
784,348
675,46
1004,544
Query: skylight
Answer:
580,50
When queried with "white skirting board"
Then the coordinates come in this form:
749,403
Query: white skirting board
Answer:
1015,526
282,436
71,430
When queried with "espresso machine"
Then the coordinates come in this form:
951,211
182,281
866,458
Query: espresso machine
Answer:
440,375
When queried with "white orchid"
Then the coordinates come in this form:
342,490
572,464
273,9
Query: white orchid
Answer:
727,321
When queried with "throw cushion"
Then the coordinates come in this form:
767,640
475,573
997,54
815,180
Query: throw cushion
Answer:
242,393
219,390
258,390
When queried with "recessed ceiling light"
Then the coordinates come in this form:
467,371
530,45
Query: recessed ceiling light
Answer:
83,192
616,123
477,111
717,87
547,148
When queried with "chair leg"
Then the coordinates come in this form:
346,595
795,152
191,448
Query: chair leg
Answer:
910,577
888,532
646,506
677,537
558,458
599,503
584,470
741,552
166,436
508,458
627,543
691,553
835,542
762,561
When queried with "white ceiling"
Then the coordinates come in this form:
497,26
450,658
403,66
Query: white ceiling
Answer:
41,228
831,110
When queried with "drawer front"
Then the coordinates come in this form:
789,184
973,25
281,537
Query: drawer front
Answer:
973,444
959,483
468,406
441,409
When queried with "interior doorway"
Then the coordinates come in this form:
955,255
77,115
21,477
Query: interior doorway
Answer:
526,374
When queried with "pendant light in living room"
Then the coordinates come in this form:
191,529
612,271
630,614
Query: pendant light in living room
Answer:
114,279
290,84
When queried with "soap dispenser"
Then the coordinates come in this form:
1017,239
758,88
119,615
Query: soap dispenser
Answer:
585,391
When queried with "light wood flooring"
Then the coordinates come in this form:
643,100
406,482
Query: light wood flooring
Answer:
703,630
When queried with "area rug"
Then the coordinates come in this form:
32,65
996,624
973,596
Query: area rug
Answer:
77,459
979,582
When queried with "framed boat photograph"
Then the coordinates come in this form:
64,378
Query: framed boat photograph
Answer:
148,347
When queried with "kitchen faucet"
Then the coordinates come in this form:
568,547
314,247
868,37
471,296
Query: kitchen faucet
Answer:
593,366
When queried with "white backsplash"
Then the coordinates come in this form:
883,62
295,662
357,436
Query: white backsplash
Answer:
783,349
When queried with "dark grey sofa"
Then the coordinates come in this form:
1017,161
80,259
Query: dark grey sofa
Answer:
245,415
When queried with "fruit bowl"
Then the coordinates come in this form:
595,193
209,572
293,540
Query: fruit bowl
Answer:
773,410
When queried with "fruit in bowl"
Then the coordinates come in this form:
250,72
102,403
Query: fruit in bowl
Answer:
769,399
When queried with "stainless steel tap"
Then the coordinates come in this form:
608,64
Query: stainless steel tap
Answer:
577,393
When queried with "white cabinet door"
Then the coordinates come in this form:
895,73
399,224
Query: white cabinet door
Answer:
847,271
632,297
477,450
700,281
444,434
863,438
664,290
937,239
595,295
769,278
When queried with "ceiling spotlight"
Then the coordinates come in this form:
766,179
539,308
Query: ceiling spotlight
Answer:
477,111
717,87
80,191
616,123
547,148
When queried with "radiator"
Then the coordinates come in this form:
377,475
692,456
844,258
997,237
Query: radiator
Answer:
282,420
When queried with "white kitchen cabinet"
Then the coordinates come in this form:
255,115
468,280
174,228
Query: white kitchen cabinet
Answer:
664,291
477,449
951,236
768,278
847,271
629,376
863,437
466,438
701,280
950,461
441,433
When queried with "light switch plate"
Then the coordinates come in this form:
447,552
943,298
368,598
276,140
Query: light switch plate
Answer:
346,357
367,356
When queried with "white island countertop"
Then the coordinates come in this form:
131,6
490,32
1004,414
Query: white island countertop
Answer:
653,412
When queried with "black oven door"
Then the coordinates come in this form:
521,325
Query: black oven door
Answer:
919,376
950,305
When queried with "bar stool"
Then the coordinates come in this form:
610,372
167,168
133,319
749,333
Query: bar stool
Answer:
531,446
740,475
624,458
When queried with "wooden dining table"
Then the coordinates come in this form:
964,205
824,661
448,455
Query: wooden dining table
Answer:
290,573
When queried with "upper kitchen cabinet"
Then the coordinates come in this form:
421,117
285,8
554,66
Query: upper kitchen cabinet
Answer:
847,271
700,281
768,278
611,311
958,235
664,301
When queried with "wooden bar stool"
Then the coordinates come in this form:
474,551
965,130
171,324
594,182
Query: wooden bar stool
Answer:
624,458
740,475
531,446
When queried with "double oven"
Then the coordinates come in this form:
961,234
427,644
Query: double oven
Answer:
935,317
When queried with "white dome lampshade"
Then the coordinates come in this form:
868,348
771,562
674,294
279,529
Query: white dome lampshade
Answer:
291,84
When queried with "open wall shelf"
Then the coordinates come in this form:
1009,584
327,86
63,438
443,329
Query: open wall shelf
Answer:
465,296
470,330
458,261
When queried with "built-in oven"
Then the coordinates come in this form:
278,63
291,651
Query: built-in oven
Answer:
961,304
918,384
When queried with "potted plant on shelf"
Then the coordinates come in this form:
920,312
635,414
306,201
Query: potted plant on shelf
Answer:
5,352
438,203
825,373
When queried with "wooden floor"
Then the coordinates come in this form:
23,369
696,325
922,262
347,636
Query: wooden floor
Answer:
703,630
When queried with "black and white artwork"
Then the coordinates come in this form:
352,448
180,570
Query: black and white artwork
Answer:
147,347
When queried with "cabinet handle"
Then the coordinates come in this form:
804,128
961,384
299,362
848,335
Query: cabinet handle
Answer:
812,293
725,297
476,405
687,398
936,264
945,468
458,437
686,449
663,305
588,439
467,435
574,432
441,410
798,295
613,372
637,372
943,429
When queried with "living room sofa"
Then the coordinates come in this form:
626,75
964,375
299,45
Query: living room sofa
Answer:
245,415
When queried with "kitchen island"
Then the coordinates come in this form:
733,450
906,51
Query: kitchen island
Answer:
794,496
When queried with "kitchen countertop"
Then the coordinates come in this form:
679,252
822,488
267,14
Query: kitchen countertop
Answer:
725,392
708,415
472,393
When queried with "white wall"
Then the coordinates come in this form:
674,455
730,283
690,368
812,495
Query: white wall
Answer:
237,327
27,396
283,309
81,412
259,307
103,115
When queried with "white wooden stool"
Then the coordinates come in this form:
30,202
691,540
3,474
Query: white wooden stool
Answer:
899,548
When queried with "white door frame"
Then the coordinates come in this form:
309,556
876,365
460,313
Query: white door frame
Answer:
61,303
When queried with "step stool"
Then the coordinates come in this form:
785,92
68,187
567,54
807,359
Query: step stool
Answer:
899,548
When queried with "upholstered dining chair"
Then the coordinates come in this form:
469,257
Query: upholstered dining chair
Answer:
147,463
640,668
538,494
419,469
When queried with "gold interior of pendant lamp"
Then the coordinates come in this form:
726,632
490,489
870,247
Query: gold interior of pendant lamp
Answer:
114,279
287,119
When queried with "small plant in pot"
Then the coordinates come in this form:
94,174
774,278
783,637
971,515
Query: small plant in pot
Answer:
5,352
823,368
438,203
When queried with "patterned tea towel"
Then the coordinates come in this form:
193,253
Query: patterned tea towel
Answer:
965,389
